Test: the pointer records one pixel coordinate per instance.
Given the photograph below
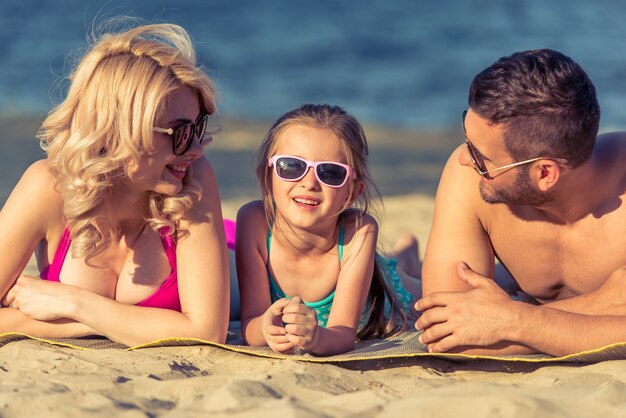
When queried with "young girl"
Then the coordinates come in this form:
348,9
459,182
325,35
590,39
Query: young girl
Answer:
308,274
124,213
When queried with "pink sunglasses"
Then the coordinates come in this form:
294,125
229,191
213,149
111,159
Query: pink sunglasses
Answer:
329,173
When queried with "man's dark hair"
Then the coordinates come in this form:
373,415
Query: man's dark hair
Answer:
546,102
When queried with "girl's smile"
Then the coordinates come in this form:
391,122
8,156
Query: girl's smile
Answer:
307,203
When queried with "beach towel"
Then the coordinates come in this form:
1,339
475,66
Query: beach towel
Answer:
403,347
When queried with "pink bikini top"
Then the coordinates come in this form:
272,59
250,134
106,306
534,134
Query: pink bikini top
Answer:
166,296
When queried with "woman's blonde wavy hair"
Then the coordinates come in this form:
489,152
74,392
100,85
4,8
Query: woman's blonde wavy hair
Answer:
105,125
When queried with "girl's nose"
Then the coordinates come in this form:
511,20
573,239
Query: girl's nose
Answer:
310,180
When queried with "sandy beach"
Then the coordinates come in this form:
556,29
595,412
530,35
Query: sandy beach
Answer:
37,379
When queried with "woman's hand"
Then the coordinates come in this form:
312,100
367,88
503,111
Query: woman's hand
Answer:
272,327
300,323
38,299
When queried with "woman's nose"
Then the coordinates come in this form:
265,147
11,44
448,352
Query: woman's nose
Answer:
195,150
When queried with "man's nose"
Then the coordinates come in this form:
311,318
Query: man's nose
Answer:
465,158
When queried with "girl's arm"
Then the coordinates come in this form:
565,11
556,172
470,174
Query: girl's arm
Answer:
203,284
353,285
260,319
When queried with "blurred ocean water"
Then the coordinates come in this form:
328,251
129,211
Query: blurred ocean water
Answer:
404,63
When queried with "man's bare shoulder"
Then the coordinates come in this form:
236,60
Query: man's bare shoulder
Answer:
459,190
612,140
459,229
610,150
608,159
618,136
459,180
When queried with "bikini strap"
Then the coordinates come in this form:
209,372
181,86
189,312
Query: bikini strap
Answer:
54,269
269,243
340,243
168,246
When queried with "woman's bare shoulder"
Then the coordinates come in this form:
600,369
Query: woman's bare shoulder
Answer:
39,183
34,203
39,173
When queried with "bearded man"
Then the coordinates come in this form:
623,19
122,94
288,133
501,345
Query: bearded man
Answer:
535,188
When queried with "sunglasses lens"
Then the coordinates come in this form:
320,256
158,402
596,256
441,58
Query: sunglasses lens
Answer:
476,160
201,126
290,168
331,174
182,138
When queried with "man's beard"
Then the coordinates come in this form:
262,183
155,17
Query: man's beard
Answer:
520,193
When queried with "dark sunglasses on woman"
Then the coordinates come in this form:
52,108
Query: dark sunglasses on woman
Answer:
184,134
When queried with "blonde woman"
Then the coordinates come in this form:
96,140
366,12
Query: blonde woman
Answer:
124,213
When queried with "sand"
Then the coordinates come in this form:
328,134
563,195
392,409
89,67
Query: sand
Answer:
42,380
37,379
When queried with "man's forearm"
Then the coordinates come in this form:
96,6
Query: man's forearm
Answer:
594,303
504,348
583,304
541,329
559,333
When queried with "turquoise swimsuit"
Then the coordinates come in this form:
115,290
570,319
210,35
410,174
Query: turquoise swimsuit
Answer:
322,307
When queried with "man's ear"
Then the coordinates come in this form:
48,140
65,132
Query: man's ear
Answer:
546,174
